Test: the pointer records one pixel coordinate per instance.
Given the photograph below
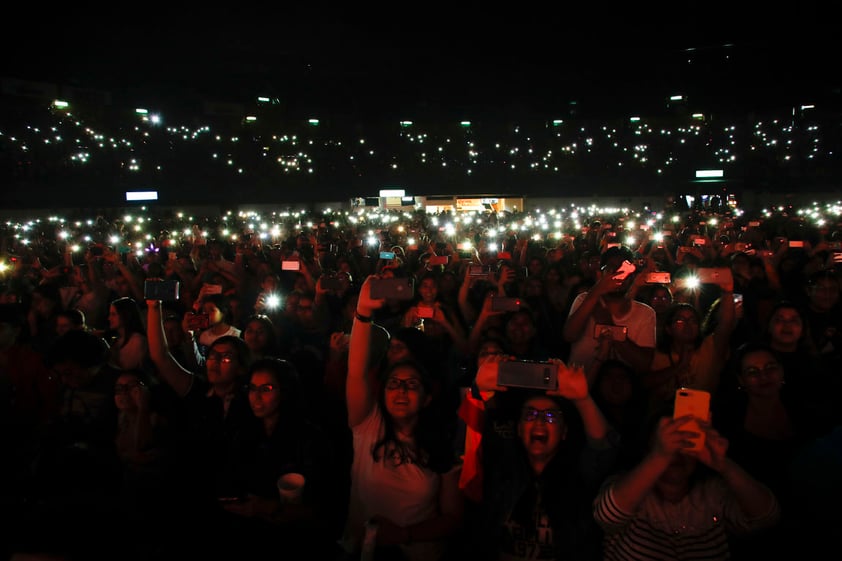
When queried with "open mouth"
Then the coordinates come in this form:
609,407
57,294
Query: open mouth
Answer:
539,437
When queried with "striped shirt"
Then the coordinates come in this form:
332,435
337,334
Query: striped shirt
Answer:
697,527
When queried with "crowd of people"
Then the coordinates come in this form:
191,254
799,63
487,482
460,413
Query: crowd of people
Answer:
153,401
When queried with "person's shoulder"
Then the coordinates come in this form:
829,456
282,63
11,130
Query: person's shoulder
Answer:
643,308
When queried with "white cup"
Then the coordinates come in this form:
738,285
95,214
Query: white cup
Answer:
291,487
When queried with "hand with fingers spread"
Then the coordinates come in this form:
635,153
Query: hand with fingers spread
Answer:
572,383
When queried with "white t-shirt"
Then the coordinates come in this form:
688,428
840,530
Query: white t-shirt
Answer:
405,493
207,337
640,321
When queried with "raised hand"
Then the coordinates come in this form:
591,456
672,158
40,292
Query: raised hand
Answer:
714,451
572,383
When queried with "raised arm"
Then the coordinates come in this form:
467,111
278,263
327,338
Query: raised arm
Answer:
573,385
176,376
359,392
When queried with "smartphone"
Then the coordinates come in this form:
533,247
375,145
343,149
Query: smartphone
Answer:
699,241
505,304
198,322
163,290
387,255
504,255
658,278
618,332
290,265
625,269
398,288
439,259
695,403
738,298
708,275
213,288
796,243
528,374
478,270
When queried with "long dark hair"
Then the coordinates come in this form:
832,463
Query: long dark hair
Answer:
433,443
664,343
130,317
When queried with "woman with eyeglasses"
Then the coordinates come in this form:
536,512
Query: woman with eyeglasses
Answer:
768,426
211,407
287,439
543,455
404,473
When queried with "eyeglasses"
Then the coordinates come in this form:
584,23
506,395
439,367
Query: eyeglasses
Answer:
125,388
262,389
551,416
224,358
410,384
769,369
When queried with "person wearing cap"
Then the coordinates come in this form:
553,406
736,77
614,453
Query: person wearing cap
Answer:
607,303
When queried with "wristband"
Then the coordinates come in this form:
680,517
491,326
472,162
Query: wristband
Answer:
364,319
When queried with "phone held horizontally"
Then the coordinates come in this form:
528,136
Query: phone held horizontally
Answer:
163,290
528,374
398,288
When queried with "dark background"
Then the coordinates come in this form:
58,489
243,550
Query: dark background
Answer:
443,59
356,66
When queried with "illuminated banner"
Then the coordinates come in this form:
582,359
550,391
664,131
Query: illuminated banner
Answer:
141,195
469,204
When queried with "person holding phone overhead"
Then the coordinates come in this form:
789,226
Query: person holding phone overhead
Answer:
404,474
608,302
681,503
685,357
541,457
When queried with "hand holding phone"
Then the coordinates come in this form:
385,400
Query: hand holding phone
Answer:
695,403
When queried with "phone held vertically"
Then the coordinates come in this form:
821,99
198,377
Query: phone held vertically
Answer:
398,288
528,374
696,403
163,290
